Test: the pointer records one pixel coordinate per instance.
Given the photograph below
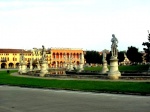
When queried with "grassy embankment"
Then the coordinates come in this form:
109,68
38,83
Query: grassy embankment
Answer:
133,68
82,85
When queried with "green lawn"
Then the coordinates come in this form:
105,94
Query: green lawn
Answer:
121,68
82,85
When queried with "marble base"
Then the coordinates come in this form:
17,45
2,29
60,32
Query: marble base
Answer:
114,72
81,68
19,70
31,68
104,68
43,69
23,69
71,67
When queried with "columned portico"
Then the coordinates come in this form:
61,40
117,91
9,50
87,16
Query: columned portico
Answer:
62,56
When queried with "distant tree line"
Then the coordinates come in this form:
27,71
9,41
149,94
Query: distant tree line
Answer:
93,57
147,50
132,54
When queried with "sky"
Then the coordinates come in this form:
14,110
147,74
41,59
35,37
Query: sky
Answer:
86,24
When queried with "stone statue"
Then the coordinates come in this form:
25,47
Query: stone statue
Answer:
31,62
22,59
104,55
43,53
114,46
125,56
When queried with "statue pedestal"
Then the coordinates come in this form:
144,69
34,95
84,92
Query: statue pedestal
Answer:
114,72
43,68
19,69
31,68
104,68
38,67
65,65
74,66
70,67
81,67
23,69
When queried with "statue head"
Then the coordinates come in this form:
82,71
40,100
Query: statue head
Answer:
113,35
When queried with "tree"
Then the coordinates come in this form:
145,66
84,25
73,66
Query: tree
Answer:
133,54
108,57
121,56
147,50
93,57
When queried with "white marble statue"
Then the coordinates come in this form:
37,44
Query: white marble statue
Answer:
31,67
104,55
104,67
114,71
114,46
43,53
22,59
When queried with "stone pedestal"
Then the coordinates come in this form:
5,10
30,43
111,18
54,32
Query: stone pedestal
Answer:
23,69
31,68
38,67
19,70
43,68
74,66
114,72
104,68
71,67
81,67
65,65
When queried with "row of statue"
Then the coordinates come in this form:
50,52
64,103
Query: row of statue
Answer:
113,72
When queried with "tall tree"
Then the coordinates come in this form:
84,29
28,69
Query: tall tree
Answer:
133,54
93,57
121,56
108,57
147,50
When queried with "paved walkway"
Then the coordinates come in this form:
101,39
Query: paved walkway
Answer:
16,99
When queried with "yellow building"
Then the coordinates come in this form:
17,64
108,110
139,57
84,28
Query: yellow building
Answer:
56,57
9,58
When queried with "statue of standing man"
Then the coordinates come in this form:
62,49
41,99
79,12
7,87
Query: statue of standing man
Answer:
43,53
104,55
114,46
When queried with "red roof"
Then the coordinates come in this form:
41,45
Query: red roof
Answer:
14,51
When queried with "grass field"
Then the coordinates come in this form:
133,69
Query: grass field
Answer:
122,68
81,85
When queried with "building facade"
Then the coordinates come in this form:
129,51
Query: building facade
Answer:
56,57
62,56
9,58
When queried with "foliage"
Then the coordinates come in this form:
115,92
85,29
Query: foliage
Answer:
121,56
108,57
147,50
133,54
93,57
